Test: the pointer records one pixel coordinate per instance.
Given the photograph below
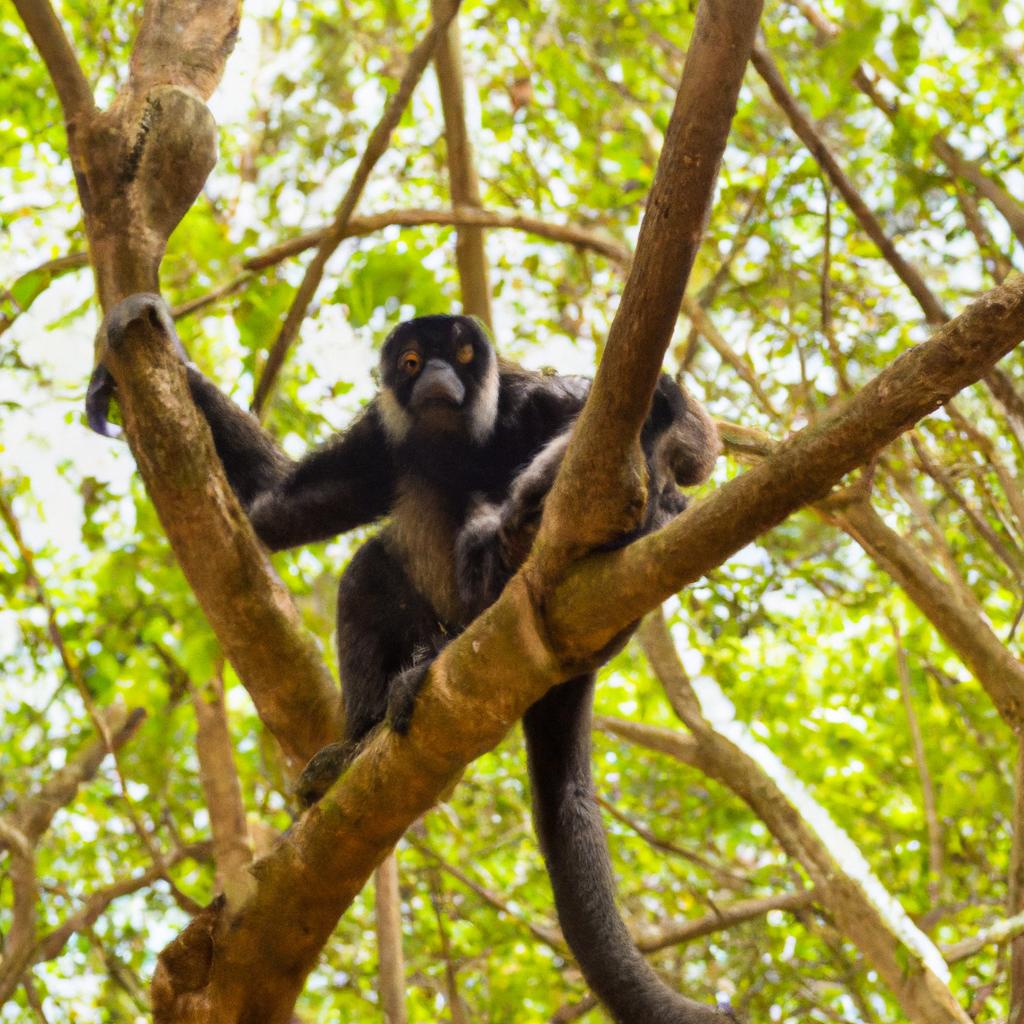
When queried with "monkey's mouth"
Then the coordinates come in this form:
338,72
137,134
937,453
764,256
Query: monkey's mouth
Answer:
439,414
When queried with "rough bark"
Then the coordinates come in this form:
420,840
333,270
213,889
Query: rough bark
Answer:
801,470
139,166
245,602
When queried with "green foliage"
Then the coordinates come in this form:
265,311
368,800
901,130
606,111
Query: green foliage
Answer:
794,636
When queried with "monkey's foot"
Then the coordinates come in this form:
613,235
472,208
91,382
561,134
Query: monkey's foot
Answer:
324,767
405,688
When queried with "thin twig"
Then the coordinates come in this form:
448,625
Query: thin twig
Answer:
334,235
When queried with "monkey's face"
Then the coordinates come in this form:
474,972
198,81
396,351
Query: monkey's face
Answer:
439,376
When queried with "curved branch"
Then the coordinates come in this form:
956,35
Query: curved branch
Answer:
456,217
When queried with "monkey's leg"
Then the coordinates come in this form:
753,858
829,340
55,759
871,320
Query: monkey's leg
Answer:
384,626
572,840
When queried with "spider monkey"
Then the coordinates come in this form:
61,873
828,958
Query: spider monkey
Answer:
457,450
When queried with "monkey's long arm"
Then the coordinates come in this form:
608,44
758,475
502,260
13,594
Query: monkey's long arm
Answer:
347,482
333,489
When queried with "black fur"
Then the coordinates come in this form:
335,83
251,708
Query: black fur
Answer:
459,452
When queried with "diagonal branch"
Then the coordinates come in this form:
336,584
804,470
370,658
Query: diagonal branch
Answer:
970,170
810,137
906,960
801,470
600,468
73,90
335,233
35,812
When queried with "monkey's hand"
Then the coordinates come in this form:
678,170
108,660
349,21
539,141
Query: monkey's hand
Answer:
324,767
111,335
481,568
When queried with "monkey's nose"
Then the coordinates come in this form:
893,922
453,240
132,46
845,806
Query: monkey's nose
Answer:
438,382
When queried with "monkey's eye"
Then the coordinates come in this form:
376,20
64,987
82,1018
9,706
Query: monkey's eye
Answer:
465,354
410,361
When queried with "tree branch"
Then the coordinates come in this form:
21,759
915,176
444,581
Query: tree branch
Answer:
249,608
21,931
388,922
904,957
34,813
184,43
809,136
335,233
802,469
602,461
53,942
463,184
1003,931
232,852
65,72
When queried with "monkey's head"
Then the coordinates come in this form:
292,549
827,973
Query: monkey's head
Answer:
439,375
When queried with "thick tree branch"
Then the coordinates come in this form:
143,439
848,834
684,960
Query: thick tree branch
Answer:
335,233
184,43
246,603
801,470
602,459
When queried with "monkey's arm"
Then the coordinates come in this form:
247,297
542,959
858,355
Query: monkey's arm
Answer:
347,482
344,484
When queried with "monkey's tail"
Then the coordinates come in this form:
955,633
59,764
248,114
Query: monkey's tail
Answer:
572,840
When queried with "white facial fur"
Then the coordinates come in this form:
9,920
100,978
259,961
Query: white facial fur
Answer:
397,421
485,409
